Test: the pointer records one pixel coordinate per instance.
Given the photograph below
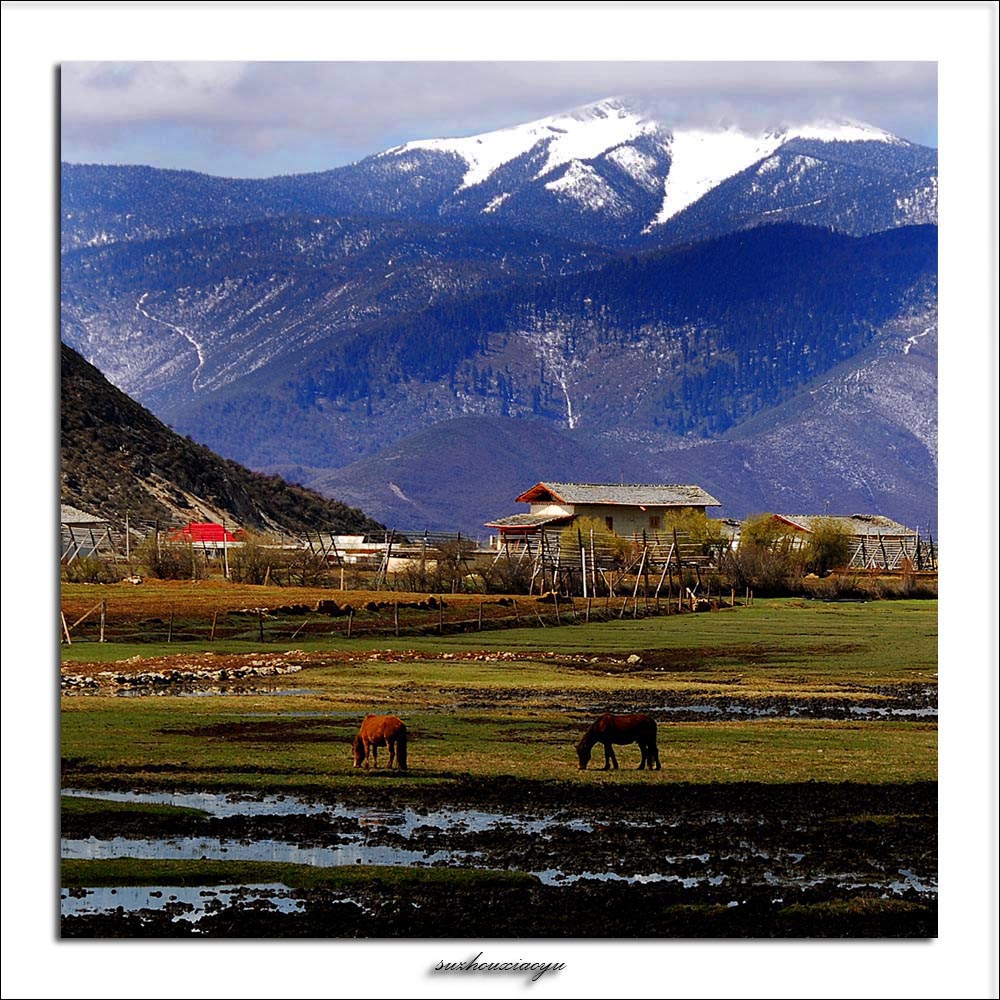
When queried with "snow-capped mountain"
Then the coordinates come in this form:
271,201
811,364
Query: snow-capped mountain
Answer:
605,173
597,272
615,174
564,147
574,137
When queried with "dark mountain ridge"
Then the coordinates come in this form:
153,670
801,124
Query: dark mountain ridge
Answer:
117,458
689,341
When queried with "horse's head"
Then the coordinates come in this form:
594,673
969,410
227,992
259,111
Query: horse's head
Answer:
583,752
358,749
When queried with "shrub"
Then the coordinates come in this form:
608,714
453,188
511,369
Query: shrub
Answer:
510,574
252,562
444,570
170,560
766,559
828,547
92,569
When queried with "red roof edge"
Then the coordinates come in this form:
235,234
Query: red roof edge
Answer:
531,495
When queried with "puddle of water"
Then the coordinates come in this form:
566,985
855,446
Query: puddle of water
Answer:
700,709
555,876
912,881
405,819
891,713
214,803
817,710
189,902
408,822
855,881
216,849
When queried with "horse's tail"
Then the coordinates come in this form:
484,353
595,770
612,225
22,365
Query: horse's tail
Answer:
401,749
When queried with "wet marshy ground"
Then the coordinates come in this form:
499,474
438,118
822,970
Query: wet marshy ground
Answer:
682,860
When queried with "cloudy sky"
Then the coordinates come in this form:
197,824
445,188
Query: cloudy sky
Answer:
263,118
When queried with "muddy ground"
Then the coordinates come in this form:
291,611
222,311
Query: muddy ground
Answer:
738,860
585,910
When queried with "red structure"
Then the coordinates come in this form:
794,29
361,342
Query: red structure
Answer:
202,531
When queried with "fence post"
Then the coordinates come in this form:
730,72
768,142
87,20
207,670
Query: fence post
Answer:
104,615
300,628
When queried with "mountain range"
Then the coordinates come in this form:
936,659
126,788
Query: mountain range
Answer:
592,295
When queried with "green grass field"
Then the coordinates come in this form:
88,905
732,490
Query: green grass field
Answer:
490,717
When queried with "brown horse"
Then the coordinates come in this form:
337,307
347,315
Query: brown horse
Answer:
381,731
621,729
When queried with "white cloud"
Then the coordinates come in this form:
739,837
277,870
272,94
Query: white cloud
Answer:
357,108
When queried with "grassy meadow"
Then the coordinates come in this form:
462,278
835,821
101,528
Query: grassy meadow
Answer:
475,712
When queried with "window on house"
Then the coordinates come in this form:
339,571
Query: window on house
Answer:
609,523
654,521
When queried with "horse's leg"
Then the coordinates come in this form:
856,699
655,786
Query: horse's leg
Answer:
391,744
609,755
656,756
643,753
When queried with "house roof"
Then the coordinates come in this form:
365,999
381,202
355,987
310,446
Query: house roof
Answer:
856,524
203,531
75,516
526,520
631,495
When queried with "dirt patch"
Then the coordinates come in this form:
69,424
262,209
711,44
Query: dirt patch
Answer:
693,659
264,731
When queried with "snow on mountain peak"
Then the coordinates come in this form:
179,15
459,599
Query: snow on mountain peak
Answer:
702,158
845,130
580,134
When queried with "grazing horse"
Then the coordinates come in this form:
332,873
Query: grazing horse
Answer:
381,731
621,729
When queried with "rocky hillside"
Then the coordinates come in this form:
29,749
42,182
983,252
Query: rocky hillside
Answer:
117,458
